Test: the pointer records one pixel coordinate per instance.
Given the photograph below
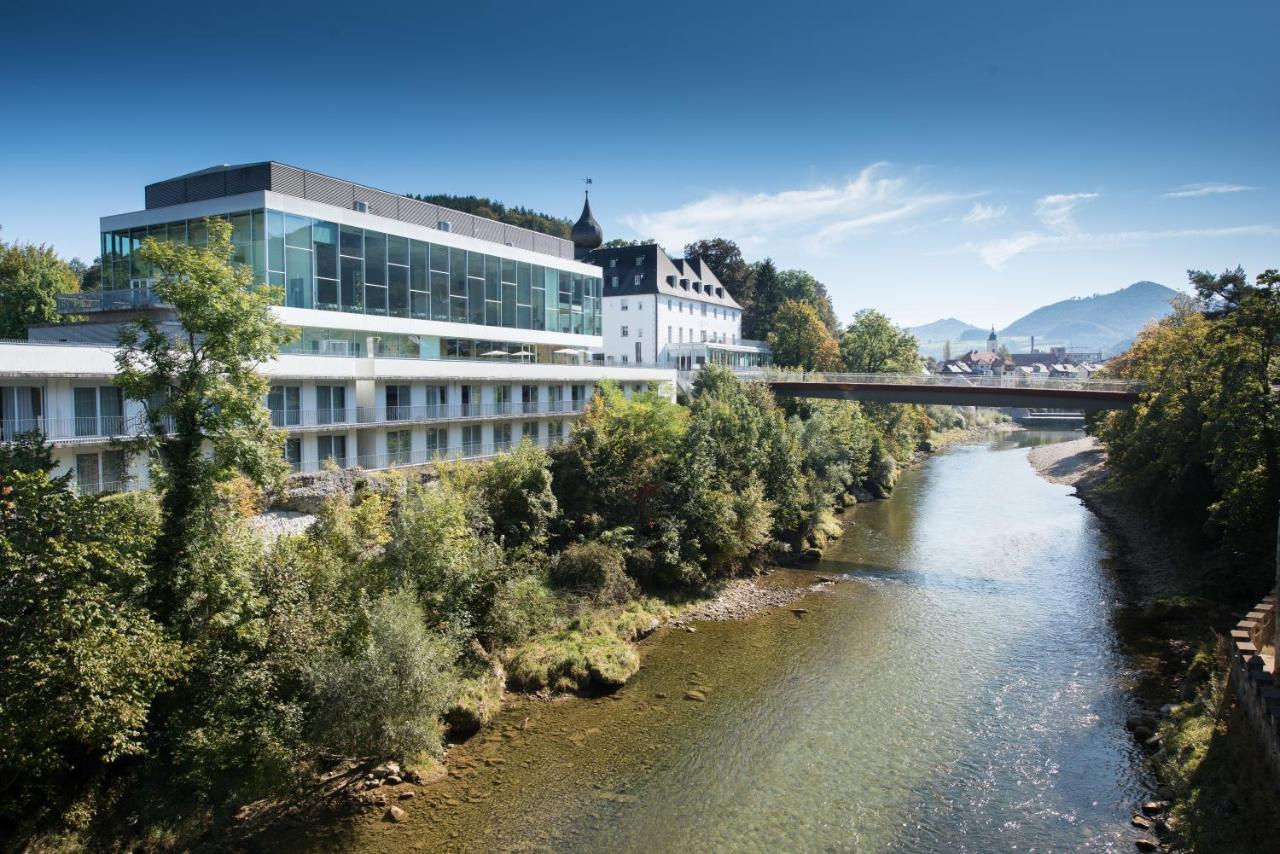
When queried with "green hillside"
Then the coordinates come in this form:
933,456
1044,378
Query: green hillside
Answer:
490,209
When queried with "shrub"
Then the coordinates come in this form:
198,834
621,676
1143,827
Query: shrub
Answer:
387,698
585,656
522,607
597,568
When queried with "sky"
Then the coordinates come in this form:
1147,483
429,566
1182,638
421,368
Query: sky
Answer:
974,160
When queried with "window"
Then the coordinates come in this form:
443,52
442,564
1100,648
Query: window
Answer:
624,331
99,411
639,306
529,398
639,331
624,358
613,283
578,394
398,402
668,303
613,262
555,432
529,430
293,453
331,404
624,305
639,280
555,398
399,447
639,260
638,358
437,442
472,445
681,331
332,448
285,403
704,309
20,410
104,472
668,334
502,399
501,437
470,400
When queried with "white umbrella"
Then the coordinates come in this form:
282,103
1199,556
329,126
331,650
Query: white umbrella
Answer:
568,351
496,353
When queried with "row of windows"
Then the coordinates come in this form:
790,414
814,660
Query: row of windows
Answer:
334,267
331,449
348,342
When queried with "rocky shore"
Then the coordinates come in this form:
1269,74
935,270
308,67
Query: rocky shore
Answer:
745,598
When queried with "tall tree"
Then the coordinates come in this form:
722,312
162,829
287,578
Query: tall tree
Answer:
30,276
200,388
801,340
873,345
767,296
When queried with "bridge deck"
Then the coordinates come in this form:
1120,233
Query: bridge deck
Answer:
996,391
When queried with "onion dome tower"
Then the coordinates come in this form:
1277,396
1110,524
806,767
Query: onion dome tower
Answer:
587,233
991,341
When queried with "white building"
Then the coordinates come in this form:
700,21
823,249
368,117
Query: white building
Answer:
669,312
423,332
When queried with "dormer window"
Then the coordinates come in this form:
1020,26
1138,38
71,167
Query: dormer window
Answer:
697,287
613,262
684,283
614,282
639,260
639,279
671,281
720,292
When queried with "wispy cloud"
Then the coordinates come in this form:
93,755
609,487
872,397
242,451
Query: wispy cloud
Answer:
1194,191
1058,211
818,214
981,213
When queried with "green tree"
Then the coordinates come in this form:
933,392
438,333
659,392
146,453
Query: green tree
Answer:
201,388
873,345
30,277
800,339
515,491
726,262
81,658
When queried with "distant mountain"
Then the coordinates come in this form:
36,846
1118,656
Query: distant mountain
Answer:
1104,322
942,330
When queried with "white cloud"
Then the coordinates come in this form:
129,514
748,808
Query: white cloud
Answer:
982,213
1195,191
821,214
1058,211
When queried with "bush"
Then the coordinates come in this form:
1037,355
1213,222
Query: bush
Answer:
522,607
597,568
584,657
387,698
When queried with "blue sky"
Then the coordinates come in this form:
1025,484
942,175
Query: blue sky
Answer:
927,159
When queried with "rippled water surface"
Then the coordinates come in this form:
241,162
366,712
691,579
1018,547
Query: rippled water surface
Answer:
963,691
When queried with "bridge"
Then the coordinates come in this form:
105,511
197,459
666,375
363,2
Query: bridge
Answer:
1014,390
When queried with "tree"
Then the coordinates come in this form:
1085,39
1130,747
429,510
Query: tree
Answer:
725,260
800,339
873,345
757,318
200,388
30,277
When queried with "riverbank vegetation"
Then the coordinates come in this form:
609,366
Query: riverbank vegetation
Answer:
1196,460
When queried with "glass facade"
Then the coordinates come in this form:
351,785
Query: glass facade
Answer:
323,265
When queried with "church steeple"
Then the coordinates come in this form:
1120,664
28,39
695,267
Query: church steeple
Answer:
991,341
587,233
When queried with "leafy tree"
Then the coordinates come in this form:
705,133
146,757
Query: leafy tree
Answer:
800,339
80,656
495,210
726,262
30,277
767,297
873,345
201,388
515,491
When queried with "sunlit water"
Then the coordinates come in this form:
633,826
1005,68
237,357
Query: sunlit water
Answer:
964,691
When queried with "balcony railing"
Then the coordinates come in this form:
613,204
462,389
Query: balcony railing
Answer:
107,427
87,302
418,457
1004,381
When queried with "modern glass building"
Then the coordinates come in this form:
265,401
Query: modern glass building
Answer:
423,332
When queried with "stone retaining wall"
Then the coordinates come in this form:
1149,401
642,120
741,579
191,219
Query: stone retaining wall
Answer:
1253,672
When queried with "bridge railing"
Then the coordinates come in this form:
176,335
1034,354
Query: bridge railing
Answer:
1005,381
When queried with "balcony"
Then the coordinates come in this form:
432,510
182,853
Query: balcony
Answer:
89,302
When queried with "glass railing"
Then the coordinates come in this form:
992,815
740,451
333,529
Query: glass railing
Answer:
87,302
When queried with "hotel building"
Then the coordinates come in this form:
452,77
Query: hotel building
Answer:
422,332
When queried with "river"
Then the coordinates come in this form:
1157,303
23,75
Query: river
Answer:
964,690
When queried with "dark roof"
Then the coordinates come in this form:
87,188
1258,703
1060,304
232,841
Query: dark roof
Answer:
686,278
587,233
232,180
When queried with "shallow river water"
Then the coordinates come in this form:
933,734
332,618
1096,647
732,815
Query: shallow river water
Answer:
964,690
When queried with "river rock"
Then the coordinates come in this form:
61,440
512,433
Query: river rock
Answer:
406,795
1142,733
1141,821
811,553
392,780
1155,807
394,814
1142,843
695,695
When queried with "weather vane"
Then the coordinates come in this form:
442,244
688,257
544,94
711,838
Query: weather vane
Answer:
586,182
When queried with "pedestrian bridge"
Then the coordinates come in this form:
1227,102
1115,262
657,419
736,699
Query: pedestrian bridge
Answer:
995,391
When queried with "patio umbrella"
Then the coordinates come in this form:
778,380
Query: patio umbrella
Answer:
496,353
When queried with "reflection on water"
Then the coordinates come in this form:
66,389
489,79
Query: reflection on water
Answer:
963,691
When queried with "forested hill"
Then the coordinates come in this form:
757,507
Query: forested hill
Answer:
946,329
490,209
1106,322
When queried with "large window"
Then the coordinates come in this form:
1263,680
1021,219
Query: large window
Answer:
285,403
334,267
99,411
332,448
